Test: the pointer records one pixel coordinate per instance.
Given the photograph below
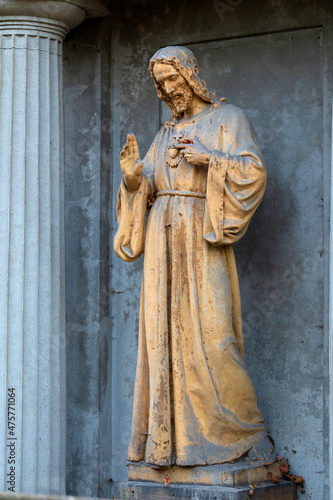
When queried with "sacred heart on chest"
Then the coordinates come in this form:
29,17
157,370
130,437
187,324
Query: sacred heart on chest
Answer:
174,153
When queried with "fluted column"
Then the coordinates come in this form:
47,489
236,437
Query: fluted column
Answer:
32,278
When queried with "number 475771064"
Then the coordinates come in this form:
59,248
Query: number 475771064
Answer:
11,411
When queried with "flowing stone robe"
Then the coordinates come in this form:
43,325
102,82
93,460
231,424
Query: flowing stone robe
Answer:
194,400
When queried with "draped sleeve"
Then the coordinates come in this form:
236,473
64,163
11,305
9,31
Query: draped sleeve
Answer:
132,211
236,181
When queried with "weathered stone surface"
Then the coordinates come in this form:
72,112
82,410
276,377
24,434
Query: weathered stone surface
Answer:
282,280
284,84
25,496
194,400
70,12
87,157
32,246
32,308
151,491
213,475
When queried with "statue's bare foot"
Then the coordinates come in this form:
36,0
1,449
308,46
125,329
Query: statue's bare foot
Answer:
262,452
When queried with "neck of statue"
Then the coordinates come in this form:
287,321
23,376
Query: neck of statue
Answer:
196,106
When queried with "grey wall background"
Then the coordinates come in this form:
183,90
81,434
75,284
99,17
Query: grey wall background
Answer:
273,59
87,64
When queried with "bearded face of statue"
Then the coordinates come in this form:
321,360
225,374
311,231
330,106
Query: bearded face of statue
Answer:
174,85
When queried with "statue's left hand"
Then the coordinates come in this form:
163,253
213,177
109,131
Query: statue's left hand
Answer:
196,153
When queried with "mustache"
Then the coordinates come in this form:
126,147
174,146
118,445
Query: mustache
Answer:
176,94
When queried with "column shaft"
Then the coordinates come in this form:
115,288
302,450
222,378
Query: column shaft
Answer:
32,339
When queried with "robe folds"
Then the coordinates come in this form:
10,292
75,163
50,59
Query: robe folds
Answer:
194,400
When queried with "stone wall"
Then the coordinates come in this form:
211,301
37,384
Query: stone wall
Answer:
272,59
88,219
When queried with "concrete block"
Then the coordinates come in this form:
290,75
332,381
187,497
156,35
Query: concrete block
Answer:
239,473
152,491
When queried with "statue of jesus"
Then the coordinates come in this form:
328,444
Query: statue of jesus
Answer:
184,205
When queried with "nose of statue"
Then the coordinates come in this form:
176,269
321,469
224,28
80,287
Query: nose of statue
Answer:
169,88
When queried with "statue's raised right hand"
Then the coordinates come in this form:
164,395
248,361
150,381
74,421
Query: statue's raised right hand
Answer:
130,163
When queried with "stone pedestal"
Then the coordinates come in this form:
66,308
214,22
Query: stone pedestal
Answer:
32,277
235,474
152,491
223,481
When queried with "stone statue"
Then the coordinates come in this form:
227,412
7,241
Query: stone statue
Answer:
184,205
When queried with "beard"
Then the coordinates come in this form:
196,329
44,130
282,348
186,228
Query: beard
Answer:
183,98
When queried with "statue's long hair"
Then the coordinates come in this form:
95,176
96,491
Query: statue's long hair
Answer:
184,61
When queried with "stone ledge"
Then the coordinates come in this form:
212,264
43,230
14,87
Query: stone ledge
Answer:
30,496
152,491
239,473
69,12
93,8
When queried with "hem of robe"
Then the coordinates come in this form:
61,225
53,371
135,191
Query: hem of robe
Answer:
231,453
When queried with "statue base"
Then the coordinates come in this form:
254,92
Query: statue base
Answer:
239,473
153,491
223,481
